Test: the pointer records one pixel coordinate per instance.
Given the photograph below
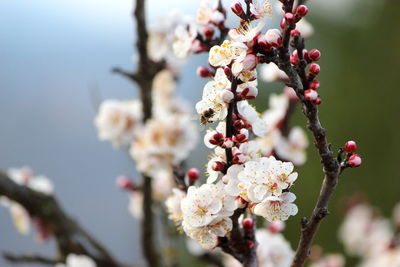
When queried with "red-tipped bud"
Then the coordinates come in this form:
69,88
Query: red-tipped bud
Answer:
193,174
315,84
228,72
294,58
283,24
263,43
355,160
350,147
208,32
239,124
314,69
317,101
204,72
240,202
218,166
301,11
310,94
273,37
295,33
249,92
240,138
125,183
217,139
289,17
228,142
314,55
248,224
237,8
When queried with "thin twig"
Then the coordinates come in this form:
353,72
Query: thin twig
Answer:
70,237
19,259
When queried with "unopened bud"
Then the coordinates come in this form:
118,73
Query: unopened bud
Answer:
295,33
314,69
350,147
250,244
315,84
301,11
263,43
239,124
248,224
204,72
208,32
228,143
228,72
355,160
310,94
218,166
289,17
273,37
227,96
240,202
294,58
314,55
216,139
237,8
249,92
193,174
125,183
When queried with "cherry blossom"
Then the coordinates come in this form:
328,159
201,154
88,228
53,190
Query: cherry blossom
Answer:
277,208
261,8
173,204
249,114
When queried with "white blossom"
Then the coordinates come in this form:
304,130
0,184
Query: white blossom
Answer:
277,208
278,107
117,121
363,233
261,8
249,114
273,250
305,28
331,260
74,260
389,257
246,32
163,142
135,204
207,13
185,35
293,147
223,55
173,204
271,73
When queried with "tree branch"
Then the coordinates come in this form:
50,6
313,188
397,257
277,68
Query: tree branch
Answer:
331,166
19,259
70,237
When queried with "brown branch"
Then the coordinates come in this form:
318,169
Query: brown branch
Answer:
331,166
19,259
70,237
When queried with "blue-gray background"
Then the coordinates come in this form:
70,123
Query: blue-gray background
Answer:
55,55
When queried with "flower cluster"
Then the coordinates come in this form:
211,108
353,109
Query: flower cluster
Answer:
244,175
20,216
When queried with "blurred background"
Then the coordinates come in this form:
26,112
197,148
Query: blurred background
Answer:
55,62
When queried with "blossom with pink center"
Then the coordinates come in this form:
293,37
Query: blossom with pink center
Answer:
277,208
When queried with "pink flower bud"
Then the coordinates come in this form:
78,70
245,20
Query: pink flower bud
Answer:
276,226
249,92
289,17
301,11
250,244
263,43
273,37
355,160
237,8
198,47
248,224
208,32
282,24
204,72
350,147
125,183
227,96
314,69
216,139
193,174
314,55
310,94
228,143
218,166
294,58
240,202
315,84
240,138
239,124
294,33
228,72
317,101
